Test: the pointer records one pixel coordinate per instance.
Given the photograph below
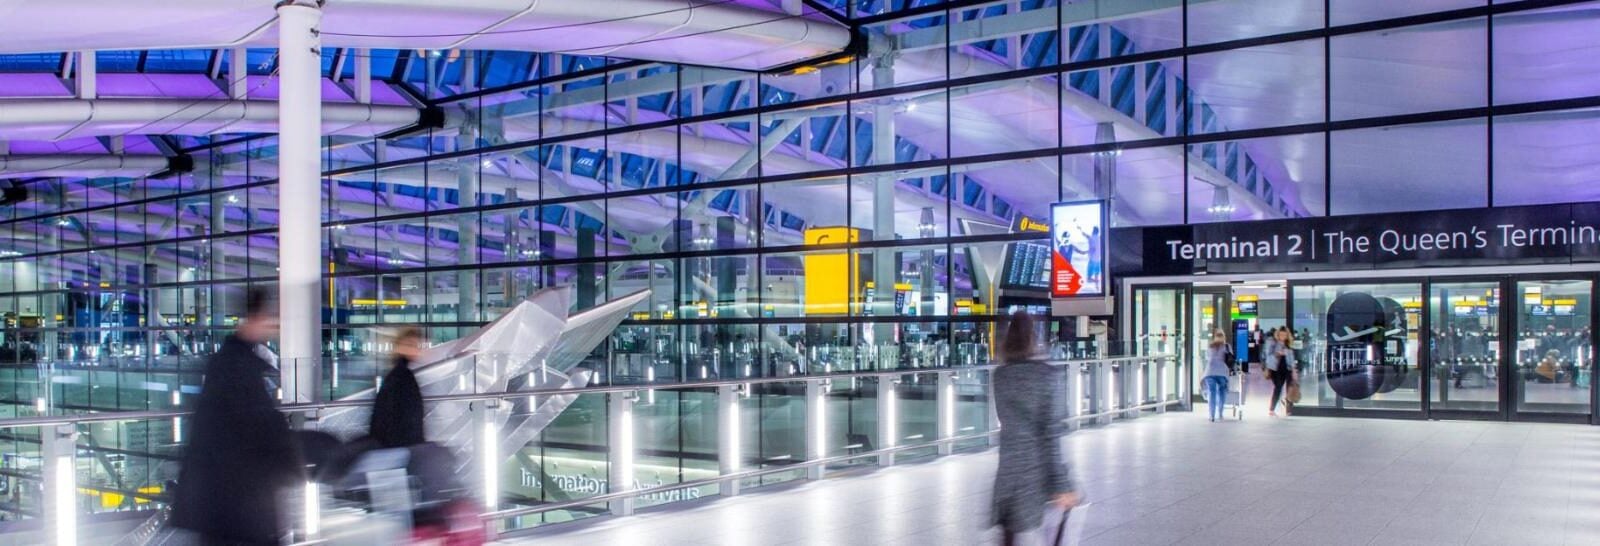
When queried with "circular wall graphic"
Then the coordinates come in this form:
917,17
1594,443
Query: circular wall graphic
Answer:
1355,326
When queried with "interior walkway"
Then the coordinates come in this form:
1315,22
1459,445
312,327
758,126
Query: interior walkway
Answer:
1178,479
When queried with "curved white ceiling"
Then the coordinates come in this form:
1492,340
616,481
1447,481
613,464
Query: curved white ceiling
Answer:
720,33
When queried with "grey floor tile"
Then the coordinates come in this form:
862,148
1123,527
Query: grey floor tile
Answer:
1175,479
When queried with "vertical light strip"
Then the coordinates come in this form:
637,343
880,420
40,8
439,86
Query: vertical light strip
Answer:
65,506
1138,385
820,413
491,467
1115,394
313,510
734,440
892,430
624,447
949,408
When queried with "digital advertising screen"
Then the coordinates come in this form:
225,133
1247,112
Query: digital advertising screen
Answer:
1078,251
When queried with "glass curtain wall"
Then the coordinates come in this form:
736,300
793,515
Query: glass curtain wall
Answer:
854,215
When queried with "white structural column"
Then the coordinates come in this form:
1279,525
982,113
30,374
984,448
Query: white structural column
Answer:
467,225
84,78
884,262
238,74
299,197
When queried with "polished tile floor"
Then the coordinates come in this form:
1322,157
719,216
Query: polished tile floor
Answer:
1178,479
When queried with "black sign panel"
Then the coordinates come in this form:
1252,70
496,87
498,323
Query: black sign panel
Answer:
1498,236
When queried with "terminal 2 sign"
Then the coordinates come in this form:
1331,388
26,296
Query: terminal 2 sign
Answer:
1549,234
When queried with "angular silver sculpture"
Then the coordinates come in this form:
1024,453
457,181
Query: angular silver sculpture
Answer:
536,340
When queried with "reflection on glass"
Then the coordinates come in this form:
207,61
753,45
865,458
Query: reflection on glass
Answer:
1465,333
1554,353
1378,359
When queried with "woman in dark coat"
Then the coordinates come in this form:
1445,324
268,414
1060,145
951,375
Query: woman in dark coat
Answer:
240,455
1028,401
397,411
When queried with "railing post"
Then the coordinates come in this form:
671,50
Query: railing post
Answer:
1185,380
888,417
729,430
620,431
816,426
1074,393
59,449
486,446
1106,396
994,416
945,397
1161,384
1128,384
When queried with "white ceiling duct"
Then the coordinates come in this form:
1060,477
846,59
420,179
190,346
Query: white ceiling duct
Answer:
88,166
57,119
709,32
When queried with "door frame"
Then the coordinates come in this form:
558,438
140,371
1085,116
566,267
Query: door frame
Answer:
1425,353
1512,282
1509,315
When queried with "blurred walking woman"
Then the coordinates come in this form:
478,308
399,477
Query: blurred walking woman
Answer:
397,411
1028,402
1278,360
1216,378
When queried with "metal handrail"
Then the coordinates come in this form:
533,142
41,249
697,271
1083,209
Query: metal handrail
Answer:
618,495
57,420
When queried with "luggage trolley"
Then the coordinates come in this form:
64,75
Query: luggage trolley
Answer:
1235,400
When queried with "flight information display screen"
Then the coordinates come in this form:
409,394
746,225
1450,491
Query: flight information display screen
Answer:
1027,265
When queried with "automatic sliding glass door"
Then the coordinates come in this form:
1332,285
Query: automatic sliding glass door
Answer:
1553,354
1465,353
1362,348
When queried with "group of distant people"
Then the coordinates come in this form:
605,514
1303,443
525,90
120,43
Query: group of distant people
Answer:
1279,357
241,457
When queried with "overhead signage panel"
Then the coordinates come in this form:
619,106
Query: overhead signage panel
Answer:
1499,236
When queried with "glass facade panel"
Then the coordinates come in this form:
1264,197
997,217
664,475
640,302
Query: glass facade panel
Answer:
1441,66
1411,167
860,213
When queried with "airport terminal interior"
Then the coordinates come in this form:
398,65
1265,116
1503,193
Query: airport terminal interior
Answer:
739,271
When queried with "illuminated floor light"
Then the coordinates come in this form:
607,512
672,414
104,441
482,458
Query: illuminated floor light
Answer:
949,409
313,510
65,501
625,446
39,405
821,414
734,454
177,429
892,417
491,467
